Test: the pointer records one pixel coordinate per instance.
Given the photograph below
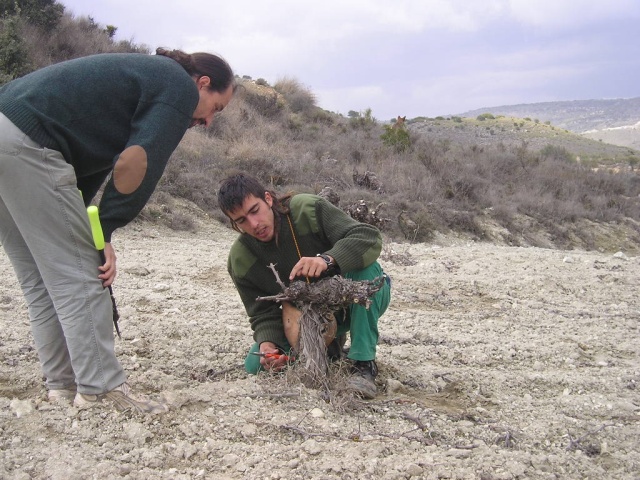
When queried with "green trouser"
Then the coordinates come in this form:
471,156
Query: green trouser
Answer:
361,323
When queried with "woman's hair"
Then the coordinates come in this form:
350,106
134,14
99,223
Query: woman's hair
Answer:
235,188
203,64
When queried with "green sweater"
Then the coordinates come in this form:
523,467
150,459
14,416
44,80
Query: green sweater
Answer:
320,227
90,109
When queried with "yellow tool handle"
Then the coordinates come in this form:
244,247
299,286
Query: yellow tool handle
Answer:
96,228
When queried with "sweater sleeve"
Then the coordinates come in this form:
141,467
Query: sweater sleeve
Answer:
158,129
355,245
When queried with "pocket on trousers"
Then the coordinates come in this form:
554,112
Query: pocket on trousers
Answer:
61,172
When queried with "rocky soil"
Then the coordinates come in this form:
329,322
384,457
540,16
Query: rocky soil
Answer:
495,363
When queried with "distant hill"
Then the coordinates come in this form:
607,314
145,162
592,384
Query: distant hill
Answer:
610,121
482,131
627,135
577,116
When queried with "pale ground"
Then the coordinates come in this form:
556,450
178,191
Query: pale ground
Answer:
495,363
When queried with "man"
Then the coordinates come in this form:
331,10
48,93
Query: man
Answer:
304,236
63,130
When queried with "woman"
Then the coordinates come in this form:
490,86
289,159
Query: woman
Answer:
63,130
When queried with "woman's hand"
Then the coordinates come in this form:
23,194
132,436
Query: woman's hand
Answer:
108,270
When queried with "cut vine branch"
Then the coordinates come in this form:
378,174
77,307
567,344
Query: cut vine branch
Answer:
317,303
330,293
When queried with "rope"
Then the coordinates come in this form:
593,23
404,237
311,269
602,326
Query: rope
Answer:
295,241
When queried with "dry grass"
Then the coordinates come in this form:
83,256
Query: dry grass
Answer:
441,185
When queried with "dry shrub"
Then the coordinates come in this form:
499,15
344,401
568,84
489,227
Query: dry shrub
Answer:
443,189
265,100
72,38
182,222
300,99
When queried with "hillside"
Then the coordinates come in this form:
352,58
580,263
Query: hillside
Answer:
628,135
504,180
613,121
514,131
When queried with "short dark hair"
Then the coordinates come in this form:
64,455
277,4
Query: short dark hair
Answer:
234,189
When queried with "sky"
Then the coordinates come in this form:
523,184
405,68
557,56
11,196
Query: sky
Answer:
410,58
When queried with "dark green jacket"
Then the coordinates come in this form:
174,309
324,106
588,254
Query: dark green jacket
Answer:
90,109
320,227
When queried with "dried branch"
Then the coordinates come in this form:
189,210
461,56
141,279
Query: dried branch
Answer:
576,443
271,395
333,292
416,420
317,302
272,267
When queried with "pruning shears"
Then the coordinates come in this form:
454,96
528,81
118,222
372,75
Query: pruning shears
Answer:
275,356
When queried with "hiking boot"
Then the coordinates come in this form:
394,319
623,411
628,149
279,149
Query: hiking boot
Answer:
62,394
363,379
123,399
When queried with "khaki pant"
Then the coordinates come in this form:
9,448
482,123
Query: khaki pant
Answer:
45,232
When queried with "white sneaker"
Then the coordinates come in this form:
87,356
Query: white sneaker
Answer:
62,394
122,398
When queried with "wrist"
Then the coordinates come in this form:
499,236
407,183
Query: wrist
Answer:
332,267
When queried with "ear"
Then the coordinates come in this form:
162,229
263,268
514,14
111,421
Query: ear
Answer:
268,198
203,82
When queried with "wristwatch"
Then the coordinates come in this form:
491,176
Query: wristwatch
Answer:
331,266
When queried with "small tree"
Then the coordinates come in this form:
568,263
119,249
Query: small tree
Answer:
13,51
42,13
397,138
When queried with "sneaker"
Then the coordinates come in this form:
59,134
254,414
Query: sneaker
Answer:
122,398
363,379
62,394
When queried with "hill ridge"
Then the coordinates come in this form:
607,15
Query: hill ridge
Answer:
578,116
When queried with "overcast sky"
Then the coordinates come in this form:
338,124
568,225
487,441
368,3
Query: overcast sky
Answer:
403,57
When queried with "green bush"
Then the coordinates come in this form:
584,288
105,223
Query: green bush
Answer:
13,50
397,138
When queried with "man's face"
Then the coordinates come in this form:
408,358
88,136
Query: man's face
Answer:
255,217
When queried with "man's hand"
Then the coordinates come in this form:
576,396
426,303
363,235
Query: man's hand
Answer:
309,267
108,270
270,363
